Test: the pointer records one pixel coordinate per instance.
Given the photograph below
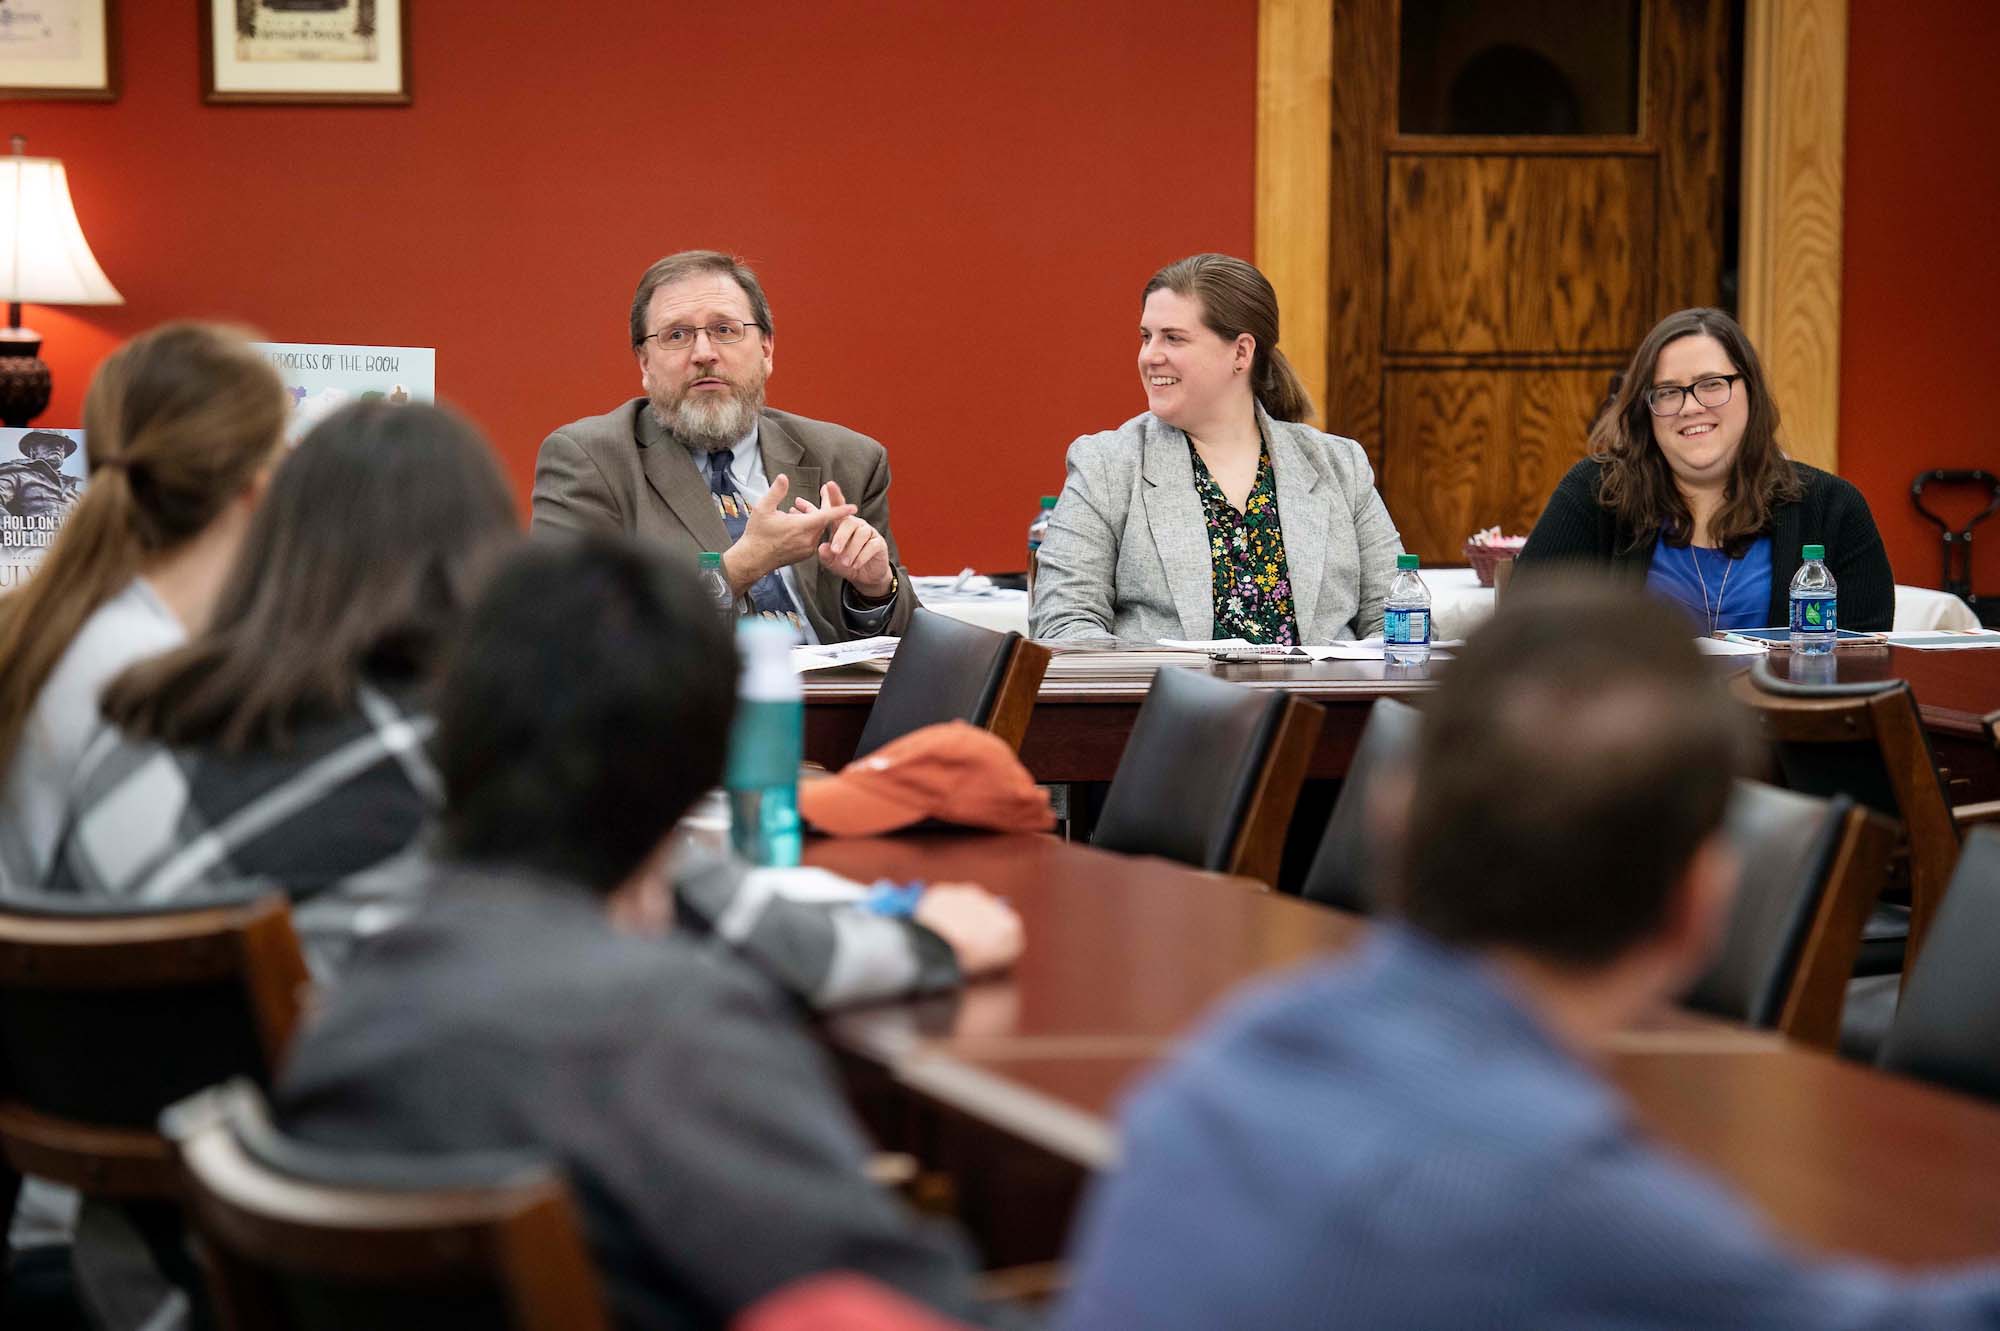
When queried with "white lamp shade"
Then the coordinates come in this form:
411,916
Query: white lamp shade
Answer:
43,255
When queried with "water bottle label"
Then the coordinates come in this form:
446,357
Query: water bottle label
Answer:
1406,628
1815,614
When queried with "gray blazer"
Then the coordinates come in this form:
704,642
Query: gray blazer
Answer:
621,472
1126,553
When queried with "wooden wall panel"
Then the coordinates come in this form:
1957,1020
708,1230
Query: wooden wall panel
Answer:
1476,448
1794,138
1686,117
1362,114
1294,71
1519,253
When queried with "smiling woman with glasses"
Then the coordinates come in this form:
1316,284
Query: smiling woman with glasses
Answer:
1687,489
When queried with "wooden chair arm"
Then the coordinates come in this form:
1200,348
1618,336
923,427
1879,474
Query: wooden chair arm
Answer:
1971,815
1032,1284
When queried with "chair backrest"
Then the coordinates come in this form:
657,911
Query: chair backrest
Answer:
1811,868
947,670
1865,741
300,1237
1210,774
1947,1026
1347,868
109,1013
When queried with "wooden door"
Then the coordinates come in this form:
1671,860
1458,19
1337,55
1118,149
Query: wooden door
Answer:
1486,285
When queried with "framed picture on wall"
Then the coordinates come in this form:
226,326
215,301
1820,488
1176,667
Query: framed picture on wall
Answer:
305,51
59,48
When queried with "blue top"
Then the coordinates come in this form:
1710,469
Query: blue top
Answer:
1396,1143
1737,591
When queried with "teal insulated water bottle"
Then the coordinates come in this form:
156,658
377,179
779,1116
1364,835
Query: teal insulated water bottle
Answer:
766,746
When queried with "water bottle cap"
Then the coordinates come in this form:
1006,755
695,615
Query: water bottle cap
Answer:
709,559
1048,501
1815,552
765,647
1406,561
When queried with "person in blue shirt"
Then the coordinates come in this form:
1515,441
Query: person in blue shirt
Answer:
1687,489
1418,1136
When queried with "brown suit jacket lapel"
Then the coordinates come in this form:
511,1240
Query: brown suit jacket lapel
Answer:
675,478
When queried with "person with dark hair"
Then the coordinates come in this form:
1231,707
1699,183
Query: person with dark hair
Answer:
536,1001
1418,1135
700,463
182,426
285,744
1218,512
1687,489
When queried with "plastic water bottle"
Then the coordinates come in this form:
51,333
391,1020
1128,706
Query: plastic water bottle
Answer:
766,746
1815,604
1036,531
715,586
1406,617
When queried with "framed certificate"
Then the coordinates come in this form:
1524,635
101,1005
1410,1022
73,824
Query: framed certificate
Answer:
59,48
305,51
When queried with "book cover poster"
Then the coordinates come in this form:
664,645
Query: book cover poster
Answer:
322,377
41,478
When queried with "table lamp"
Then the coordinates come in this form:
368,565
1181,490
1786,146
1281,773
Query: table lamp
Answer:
44,259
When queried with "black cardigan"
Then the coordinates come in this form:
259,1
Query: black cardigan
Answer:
1831,513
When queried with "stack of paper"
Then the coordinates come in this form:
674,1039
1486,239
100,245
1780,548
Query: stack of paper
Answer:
826,656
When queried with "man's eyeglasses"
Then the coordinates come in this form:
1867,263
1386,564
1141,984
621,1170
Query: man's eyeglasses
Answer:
1668,399
681,336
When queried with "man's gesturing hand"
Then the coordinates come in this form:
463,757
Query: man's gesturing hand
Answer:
854,550
774,537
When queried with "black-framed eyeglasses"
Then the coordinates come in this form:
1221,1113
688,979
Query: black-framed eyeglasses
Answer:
681,337
1668,399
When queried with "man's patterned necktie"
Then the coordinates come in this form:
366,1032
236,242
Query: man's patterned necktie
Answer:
768,596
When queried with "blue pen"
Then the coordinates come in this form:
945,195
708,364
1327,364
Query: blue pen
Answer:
895,900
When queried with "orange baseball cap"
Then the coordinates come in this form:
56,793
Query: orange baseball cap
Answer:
952,772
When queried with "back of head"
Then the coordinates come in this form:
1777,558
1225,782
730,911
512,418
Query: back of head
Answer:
373,539
1237,299
584,709
1576,756
179,422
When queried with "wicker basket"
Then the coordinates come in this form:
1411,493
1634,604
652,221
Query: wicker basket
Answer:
1484,557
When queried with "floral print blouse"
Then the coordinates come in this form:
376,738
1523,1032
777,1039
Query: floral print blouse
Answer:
1252,583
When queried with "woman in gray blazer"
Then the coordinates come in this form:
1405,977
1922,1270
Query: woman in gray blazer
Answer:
1217,513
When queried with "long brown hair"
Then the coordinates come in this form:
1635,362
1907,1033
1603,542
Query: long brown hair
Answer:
1638,485
1237,299
375,535
178,422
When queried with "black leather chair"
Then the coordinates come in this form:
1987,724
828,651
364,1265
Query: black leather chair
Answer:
1811,869
946,670
1346,870
1865,740
1210,774
1947,1028
300,1238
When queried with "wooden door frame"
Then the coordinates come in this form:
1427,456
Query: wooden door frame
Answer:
1794,127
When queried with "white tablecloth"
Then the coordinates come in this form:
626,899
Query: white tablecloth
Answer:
1458,605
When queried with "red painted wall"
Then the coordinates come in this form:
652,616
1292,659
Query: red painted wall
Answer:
1920,319
953,208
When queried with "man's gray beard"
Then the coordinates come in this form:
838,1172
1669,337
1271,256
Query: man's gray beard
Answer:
706,425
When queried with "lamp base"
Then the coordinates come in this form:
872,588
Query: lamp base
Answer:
24,376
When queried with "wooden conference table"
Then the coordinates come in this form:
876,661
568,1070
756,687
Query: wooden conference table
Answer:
1081,723
1009,1088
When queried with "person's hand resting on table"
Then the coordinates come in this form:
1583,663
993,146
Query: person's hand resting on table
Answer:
983,930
